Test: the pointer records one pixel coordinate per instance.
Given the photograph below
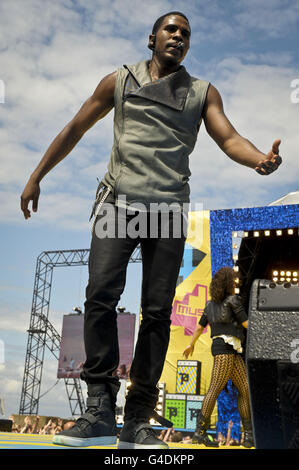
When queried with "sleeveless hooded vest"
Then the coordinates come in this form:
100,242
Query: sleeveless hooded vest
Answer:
155,129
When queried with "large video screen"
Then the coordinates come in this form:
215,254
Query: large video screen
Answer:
72,353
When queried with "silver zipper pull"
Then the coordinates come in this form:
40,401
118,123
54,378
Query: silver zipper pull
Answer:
100,203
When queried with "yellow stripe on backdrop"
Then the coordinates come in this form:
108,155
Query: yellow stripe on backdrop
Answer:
189,302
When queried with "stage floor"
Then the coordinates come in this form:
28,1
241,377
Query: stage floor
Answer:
35,441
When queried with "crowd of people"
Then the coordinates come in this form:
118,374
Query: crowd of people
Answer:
171,435
33,425
158,110
228,387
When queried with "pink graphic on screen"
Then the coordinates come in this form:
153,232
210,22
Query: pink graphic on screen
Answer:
183,314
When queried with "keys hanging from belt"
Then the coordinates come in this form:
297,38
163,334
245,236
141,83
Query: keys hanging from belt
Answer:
101,195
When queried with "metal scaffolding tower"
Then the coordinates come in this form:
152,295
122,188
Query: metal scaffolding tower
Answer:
42,334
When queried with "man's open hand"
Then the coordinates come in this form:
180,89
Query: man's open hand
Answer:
30,193
272,162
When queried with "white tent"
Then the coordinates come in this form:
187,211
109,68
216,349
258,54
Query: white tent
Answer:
2,409
291,198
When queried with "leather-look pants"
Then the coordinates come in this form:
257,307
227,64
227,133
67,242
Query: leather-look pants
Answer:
108,261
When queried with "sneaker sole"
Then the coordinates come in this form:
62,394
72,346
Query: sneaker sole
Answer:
84,442
133,445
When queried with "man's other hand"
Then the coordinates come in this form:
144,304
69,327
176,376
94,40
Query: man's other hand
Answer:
30,193
272,162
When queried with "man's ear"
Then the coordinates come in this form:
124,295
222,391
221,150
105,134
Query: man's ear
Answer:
151,42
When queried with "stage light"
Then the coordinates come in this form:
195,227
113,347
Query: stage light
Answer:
282,276
237,290
267,233
245,234
290,231
278,232
236,269
256,234
235,234
160,401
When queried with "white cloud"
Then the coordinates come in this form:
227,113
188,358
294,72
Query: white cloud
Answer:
257,101
51,67
11,386
53,54
273,17
53,396
11,377
48,74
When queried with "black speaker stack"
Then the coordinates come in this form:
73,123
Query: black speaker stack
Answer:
272,356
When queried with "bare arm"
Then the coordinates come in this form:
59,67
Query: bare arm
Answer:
94,108
238,148
190,348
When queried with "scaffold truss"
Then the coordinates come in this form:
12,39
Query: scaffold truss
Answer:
42,334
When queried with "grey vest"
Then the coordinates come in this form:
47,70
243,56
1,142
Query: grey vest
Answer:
155,129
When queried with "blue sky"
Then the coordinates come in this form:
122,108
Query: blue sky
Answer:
52,56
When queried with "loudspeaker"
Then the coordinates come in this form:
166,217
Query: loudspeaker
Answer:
175,409
272,356
188,377
5,425
193,407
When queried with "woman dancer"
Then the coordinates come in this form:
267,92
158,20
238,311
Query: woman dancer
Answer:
226,316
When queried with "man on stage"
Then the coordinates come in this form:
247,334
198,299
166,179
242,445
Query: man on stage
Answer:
158,109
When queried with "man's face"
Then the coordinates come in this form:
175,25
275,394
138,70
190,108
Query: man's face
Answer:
174,30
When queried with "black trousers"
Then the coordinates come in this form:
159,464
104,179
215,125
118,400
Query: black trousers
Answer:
108,261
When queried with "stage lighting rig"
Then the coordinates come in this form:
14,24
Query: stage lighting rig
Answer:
285,275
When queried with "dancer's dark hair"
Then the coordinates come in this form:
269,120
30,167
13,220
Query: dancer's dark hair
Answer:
223,284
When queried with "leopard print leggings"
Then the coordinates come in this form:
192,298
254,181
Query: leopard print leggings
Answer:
227,366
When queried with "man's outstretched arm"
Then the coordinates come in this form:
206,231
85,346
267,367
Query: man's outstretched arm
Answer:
232,143
94,108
